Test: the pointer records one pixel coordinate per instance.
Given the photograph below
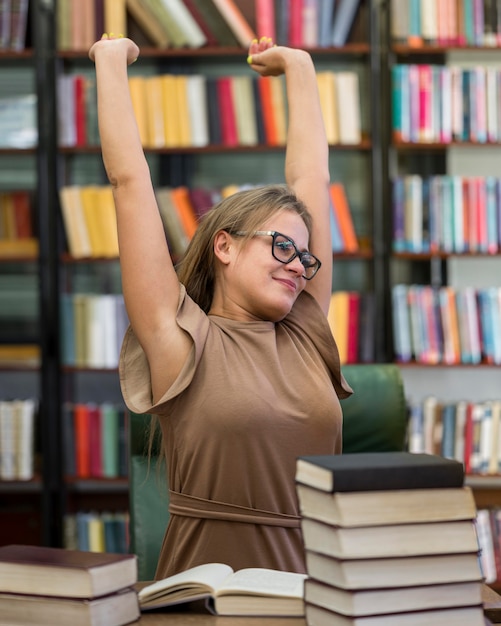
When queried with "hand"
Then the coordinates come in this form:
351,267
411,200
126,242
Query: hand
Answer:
268,59
117,42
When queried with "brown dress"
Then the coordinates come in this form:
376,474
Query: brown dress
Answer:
251,398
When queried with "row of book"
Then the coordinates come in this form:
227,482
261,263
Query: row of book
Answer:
441,104
194,110
444,213
17,232
199,23
95,440
17,439
389,540
351,319
466,431
97,531
90,223
446,22
13,25
446,325
93,326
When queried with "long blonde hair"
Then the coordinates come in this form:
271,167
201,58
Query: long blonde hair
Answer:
243,211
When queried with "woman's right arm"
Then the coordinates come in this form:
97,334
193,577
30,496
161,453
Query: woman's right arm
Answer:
149,281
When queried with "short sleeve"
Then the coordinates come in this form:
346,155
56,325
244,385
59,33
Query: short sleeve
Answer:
307,317
135,379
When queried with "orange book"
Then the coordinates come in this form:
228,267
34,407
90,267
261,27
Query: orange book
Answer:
236,21
343,214
82,439
170,111
265,95
182,202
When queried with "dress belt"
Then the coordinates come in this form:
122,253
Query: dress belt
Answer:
191,506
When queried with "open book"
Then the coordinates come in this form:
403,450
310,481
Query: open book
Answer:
251,591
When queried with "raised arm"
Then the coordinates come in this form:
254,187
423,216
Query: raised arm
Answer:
149,281
307,153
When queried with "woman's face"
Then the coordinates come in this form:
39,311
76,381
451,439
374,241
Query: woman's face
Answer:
259,285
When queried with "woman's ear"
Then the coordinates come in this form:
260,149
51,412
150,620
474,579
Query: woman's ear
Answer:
223,245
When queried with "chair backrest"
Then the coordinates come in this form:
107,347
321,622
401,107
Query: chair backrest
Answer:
375,419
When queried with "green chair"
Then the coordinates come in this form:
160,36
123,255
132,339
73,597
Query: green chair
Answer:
375,419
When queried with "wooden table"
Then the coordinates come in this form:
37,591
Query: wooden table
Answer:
196,615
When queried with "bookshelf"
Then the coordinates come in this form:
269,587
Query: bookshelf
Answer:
458,261
216,164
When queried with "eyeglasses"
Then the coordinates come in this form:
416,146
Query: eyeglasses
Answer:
285,250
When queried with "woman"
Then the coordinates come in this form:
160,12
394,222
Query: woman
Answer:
233,352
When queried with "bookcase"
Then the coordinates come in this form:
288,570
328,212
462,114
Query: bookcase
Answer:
441,155
50,280
215,165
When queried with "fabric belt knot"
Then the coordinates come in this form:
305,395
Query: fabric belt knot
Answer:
192,506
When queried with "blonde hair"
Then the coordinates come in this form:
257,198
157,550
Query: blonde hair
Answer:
243,211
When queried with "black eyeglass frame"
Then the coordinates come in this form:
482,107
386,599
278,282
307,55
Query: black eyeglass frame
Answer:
297,253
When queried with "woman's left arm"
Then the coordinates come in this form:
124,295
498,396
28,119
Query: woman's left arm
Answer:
307,152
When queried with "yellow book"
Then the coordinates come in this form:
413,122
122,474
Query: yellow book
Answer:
183,111
137,90
91,210
115,17
155,113
172,133
338,322
96,534
326,82
75,225
108,220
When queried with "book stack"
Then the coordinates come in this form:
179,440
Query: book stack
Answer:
389,540
52,586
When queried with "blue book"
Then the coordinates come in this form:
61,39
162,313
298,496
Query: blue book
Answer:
337,240
344,16
325,20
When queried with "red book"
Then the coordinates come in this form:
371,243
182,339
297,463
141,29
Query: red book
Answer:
95,443
468,438
197,16
22,214
353,326
296,23
80,114
265,19
82,460
229,135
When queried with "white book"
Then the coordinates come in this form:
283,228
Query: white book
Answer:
485,541
245,113
95,331
24,414
348,107
180,14
108,313
197,109
8,437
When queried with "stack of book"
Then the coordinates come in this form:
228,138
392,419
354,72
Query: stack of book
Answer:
389,540
53,586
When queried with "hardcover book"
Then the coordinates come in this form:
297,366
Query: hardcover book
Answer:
379,471
45,571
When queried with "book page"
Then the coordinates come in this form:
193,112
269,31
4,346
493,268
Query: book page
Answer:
263,582
196,582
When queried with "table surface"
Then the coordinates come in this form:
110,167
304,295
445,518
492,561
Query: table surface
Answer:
195,614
